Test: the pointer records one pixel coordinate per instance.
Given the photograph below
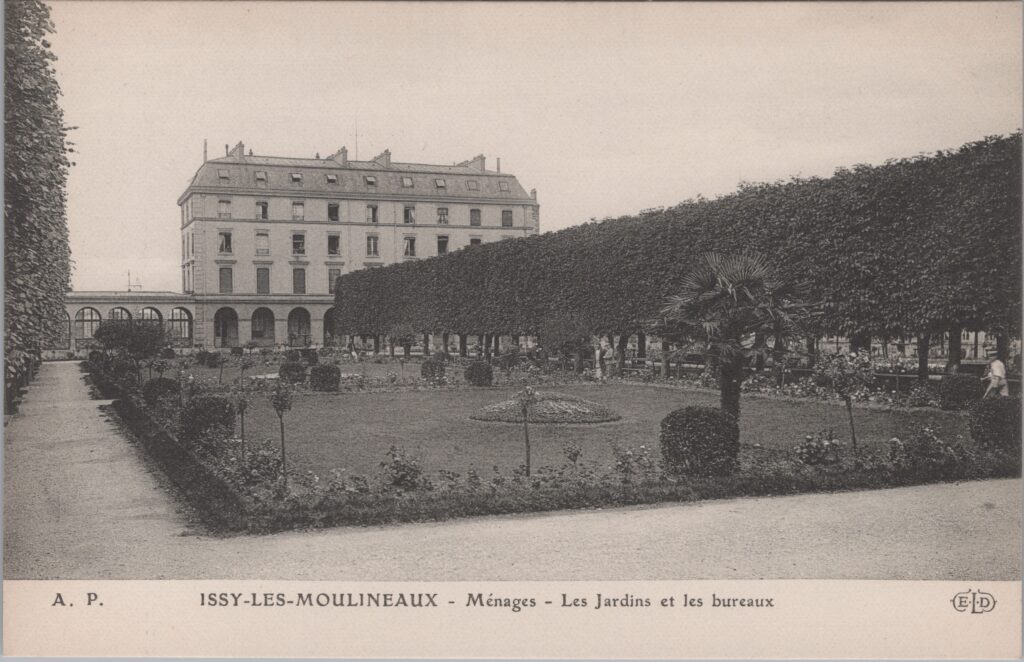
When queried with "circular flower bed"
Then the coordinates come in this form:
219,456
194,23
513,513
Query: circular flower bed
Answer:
548,408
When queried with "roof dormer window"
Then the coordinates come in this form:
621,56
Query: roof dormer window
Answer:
473,185
370,180
332,179
223,174
261,176
439,183
297,178
406,182
503,186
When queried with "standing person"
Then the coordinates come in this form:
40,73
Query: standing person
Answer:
996,378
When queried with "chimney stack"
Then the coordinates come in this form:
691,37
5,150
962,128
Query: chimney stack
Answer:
533,193
340,157
499,165
383,159
226,149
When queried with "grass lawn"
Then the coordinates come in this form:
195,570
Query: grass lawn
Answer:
354,431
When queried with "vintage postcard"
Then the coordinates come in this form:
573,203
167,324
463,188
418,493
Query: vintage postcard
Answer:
512,330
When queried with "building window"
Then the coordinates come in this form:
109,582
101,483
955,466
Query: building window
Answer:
223,175
333,244
197,207
332,179
440,183
506,218
475,241
262,280
442,244
296,178
371,246
262,211
474,217
223,209
332,211
442,216
298,281
410,247
503,186
298,211
406,182
225,242
87,320
225,280
473,185
180,325
370,180
120,314
151,315
261,178
409,215
298,243
371,213
332,276
262,242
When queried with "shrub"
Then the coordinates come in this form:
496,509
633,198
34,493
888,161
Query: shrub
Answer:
996,423
432,370
168,353
202,356
480,373
324,377
292,355
310,356
703,441
237,351
403,471
821,448
206,418
96,357
155,390
959,391
293,372
925,455
923,395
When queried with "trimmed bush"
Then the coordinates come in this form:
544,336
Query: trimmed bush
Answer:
292,371
702,441
324,377
432,370
96,357
292,355
959,391
207,417
202,356
168,353
479,373
310,356
995,423
155,390
237,351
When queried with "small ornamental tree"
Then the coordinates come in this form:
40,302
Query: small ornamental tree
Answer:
525,399
139,340
845,374
281,399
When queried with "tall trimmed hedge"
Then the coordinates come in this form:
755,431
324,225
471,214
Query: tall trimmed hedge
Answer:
36,257
911,246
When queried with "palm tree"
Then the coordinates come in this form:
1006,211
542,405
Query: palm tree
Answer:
729,306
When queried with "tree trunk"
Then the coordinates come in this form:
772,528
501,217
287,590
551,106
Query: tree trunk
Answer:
497,344
487,347
1003,346
955,346
284,461
665,365
463,345
515,340
376,344
759,340
526,436
481,341
812,351
923,342
426,345
861,341
407,349
445,337
577,365
623,346
731,376
853,434
641,346
391,349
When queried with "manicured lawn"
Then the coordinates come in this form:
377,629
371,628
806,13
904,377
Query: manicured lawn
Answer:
354,431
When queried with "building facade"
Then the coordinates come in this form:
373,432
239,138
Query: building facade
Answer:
263,240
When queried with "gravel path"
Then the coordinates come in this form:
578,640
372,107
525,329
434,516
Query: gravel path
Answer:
80,503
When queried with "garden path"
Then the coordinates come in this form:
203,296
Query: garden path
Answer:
79,504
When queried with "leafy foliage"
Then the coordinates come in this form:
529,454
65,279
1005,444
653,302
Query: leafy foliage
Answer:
479,373
996,423
701,441
156,389
432,370
293,372
207,418
37,266
958,391
324,377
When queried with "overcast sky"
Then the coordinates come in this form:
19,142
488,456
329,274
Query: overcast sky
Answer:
604,109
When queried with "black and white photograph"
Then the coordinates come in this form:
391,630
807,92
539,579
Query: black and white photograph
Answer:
568,321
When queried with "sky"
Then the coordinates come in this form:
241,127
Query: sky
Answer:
604,109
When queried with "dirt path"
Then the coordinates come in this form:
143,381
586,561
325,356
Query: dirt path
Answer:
80,503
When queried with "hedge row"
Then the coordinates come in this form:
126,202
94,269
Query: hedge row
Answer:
912,246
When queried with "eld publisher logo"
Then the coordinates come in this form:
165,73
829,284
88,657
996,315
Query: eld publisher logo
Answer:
974,602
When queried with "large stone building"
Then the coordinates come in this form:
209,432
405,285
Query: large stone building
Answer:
264,238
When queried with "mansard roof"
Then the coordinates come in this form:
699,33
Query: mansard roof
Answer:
469,180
